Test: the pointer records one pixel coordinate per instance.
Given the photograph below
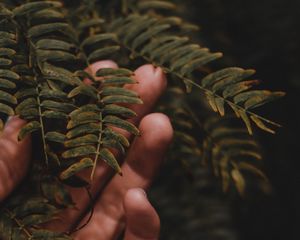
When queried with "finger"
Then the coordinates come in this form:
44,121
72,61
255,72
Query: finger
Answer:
142,221
139,169
14,156
153,80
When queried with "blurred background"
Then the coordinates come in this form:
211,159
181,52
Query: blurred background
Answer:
264,35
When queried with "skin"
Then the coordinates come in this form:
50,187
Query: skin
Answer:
122,205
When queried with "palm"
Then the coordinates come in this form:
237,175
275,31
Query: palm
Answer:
120,201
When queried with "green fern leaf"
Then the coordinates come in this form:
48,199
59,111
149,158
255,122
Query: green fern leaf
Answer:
29,8
177,56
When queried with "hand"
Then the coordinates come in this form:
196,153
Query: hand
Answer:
122,203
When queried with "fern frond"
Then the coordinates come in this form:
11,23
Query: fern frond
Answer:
218,143
186,145
50,45
46,50
231,87
39,60
89,132
89,129
152,39
154,4
8,77
232,153
19,219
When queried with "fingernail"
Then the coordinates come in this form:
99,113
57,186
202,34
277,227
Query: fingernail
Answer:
158,72
143,192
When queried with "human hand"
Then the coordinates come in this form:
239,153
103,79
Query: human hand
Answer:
122,201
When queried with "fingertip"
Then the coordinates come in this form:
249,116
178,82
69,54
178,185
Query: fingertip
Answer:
158,128
142,220
151,147
159,73
135,198
147,69
155,75
152,83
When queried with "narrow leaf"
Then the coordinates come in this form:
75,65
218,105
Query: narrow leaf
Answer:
239,181
79,152
83,129
246,120
55,115
6,109
7,52
81,141
53,44
4,96
108,91
144,37
112,109
144,5
55,56
117,122
55,137
4,62
76,168
87,90
110,159
7,84
253,169
42,29
26,92
9,74
212,102
193,65
86,108
90,23
83,118
58,106
119,80
121,99
220,105
95,39
109,133
29,8
261,125
260,100
102,53
4,34
28,128
114,72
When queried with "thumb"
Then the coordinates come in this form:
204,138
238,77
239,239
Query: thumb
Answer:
14,156
142,221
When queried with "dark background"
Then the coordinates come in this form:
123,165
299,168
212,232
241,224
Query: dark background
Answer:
264,35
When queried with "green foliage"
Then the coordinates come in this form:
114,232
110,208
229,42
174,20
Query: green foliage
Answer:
46,48
231,152
152,38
